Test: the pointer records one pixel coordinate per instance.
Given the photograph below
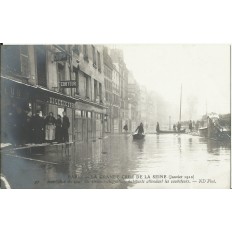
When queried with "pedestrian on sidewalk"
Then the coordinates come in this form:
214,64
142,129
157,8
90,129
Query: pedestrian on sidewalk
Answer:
59,129
27,125
65,127
38,128
50,125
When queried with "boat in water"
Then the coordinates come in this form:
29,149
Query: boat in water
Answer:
213,129
138,136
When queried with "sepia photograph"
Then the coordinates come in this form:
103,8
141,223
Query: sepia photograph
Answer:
115,116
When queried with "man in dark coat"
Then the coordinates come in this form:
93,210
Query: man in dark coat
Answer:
65,127
157,127
59,129
125,128
190,126
140,129
38,128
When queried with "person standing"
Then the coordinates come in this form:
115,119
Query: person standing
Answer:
59,129
125,128
38,128
20,121
50,126
190,126
178,126
174,127
65,127
157,127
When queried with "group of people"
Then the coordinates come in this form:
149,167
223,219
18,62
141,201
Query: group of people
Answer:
177,127
21,127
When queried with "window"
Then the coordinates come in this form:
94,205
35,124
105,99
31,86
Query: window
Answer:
85,52
41,65
99,61
94,57
77,80
77,113
95,90
61,75
15,60
83,114
100,91
24,60
76,49
89,114
87,86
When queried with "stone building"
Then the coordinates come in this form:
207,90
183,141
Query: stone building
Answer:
134,102
108,73
118,61
57,78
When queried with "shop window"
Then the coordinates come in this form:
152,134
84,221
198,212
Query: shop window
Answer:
77,113
83,113
41,107
89,114
60,111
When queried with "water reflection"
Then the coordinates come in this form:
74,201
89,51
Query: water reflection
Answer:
75,166
140,144
121,155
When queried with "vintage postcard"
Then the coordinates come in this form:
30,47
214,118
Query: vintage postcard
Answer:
90,116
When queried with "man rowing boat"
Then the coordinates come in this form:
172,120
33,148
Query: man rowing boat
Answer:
140,129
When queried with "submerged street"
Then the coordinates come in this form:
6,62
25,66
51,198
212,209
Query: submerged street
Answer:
118,161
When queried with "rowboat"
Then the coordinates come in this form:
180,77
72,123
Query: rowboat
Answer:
172,132
138,136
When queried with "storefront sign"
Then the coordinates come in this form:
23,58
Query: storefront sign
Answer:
68,84
60,56
59,102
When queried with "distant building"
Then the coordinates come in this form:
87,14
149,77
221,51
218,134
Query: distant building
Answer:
118,61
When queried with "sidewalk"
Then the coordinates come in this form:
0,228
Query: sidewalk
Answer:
7,147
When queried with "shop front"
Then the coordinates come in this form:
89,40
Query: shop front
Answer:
16,99
47,101
88,122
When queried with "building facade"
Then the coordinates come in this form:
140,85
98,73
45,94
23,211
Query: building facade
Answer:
57,79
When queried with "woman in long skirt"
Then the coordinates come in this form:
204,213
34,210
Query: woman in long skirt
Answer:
50,122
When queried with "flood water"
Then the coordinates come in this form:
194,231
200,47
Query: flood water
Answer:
159,161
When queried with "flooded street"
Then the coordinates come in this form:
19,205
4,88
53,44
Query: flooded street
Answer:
118,161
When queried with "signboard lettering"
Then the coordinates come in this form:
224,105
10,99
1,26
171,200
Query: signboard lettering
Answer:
68,84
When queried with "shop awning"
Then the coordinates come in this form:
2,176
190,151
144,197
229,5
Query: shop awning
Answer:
57,94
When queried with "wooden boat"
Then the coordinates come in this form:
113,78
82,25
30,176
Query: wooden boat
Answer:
138,136
171,132
203,132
